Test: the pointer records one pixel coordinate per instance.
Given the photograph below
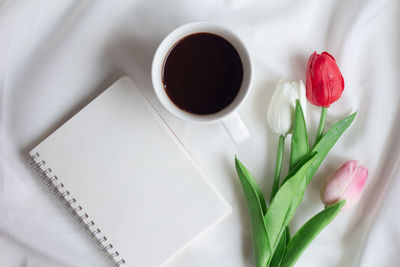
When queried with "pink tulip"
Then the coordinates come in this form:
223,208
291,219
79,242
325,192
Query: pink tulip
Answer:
346,183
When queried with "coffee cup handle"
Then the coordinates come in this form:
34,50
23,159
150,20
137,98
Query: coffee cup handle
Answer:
236,128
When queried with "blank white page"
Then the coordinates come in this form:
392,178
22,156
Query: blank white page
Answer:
132,176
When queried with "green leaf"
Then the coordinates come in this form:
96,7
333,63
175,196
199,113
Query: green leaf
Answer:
306,234
299,164
299,146
279,251
298,198
249,177
257,207
326,143
285,202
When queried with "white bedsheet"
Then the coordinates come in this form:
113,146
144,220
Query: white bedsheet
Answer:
55,56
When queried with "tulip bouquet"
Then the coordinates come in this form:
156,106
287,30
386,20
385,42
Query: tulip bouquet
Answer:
273,244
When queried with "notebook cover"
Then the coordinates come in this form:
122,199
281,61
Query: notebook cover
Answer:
131,176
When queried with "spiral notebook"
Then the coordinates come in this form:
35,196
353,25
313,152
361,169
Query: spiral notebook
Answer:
128,179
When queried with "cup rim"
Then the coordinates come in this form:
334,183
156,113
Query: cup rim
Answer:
171,39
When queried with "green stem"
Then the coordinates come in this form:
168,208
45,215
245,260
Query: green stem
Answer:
278,166
321,124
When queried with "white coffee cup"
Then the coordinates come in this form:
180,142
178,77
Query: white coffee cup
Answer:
228,116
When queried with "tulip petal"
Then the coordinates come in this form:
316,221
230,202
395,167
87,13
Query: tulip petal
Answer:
282,105
324,82
329,55
337,183
321,81
356,186
309,79
346,183
302,96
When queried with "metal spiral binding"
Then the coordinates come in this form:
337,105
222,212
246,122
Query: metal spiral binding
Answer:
57,189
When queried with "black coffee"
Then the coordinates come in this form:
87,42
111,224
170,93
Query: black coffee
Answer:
202,73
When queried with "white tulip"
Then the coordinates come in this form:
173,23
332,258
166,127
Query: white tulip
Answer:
282,106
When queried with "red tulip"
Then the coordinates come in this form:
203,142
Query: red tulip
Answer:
324,83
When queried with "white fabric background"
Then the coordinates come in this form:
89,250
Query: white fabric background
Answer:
55,56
